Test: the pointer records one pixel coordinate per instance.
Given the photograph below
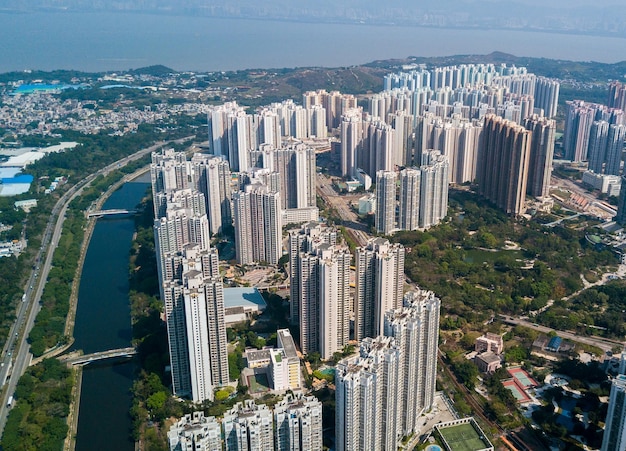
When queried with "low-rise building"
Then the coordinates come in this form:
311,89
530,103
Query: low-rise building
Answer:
488,362
489,342
280,365
26,204
300,215
608,184
241,303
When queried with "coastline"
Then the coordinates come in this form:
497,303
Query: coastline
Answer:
118,41
201,13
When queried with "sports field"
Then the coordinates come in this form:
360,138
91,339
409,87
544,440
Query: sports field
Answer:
523,377
463,437
518,390
258,383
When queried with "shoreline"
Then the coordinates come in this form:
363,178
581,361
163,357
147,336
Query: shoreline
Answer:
198,13
310,46
74,410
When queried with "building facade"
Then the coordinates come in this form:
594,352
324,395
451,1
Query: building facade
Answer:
385,216
190,286
379,283
541,154
381,393
298,424
615,426
503,164
258,225
320,289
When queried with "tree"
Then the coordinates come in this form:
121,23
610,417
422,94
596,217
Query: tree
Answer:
466,372
515,354
156,401
235,365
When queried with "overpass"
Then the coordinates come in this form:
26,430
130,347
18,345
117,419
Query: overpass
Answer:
86,359
112,212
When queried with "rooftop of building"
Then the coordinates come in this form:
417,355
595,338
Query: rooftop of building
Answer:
555,343
488,357
287,343
247,297
255,355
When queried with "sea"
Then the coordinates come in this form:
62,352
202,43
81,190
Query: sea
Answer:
96,42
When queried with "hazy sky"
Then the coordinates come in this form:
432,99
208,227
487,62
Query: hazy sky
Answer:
330,5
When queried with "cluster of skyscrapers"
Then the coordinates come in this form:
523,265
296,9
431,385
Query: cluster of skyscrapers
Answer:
320,289
321,302
188,270
447,109
594,133
294,424
480,124
398,334
381,392
443,109
423,195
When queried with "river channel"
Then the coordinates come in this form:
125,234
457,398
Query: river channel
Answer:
102,323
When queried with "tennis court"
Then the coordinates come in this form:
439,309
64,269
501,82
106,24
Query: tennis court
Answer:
517,390
463,437
524,379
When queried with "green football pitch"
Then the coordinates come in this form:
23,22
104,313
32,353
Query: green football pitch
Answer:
463,437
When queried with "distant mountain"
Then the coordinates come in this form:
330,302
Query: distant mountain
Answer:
157,70
582,71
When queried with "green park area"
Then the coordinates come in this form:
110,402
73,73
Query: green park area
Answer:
463,437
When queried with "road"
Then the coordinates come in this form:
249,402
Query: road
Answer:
16,354
98,356
603,343
341,204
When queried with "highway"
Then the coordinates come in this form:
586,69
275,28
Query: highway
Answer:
16,354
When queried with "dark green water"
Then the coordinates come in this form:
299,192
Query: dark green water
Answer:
102,323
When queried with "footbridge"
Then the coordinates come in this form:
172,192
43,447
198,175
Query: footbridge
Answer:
86,359
112,212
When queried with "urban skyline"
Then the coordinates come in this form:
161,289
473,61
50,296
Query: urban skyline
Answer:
193,207
515,138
